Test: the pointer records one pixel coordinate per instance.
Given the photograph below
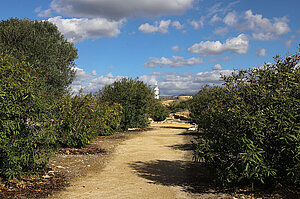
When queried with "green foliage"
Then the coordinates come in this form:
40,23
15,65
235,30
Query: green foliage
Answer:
23,142
134,96
159,112
44,47
81,118
178,106
250,128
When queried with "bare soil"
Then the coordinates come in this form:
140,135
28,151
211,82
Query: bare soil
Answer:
155,163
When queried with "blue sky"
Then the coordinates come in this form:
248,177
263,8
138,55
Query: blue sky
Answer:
179,44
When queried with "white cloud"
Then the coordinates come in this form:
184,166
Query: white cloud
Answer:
214,19
162,27
221,31
99,82
259,24
175,48
263,28
174,62
189,83
118,9
169,83
231,19
150,80
177,25
197,24
76,30
261,52
239,44
217,67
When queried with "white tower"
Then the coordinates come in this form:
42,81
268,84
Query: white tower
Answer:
156,91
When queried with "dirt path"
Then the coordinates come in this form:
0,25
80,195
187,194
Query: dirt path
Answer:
154,164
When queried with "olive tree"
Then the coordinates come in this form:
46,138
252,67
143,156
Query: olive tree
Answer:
43,46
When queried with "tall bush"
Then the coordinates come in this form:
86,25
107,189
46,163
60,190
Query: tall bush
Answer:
44,47
250,129
23,109
134,96
158,111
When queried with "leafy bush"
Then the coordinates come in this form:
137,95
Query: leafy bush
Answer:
159,112
24,144
178,106
81,118
134,96
250,129
44,47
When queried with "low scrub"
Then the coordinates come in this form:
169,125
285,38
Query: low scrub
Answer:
81,118
250,127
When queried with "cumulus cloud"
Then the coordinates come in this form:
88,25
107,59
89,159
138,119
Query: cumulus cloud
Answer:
217,67
261,52
93,85
169,83
259,24
174,62
197,24
263,28
162,27
81,78
79,29
189,83
177,25
118,9
239,45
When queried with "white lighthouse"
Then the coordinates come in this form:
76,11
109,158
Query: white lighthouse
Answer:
156,91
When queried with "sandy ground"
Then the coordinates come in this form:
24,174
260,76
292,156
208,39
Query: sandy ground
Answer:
154,164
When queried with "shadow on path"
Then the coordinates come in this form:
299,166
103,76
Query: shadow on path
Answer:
192,177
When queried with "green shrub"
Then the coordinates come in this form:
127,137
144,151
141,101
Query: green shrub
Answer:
250,129
177,106
109,118
24,144
134,96
81,118
159,112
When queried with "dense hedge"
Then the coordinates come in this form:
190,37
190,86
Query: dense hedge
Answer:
81,118
250,127
23,143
